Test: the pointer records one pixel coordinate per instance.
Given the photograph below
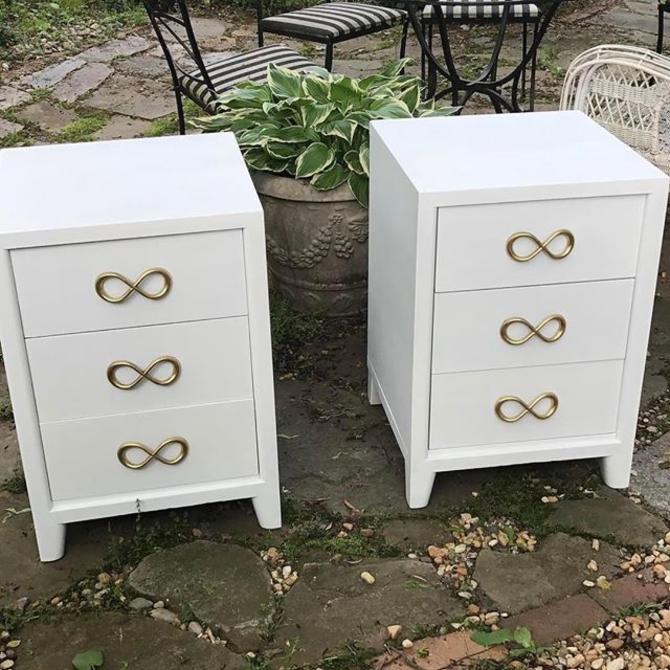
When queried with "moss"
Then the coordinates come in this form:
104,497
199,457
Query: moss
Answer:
15,484
82,129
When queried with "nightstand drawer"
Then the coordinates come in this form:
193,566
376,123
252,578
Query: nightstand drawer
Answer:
200,444
538,325
538,242
140,369
542,403
123,283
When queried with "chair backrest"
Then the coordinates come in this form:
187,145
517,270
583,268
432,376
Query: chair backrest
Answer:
172,23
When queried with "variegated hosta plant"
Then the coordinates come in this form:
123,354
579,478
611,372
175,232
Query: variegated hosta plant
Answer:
315,125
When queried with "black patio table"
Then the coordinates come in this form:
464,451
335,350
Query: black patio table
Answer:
440,61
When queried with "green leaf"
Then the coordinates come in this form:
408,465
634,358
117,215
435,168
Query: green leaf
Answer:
353,160
389,109
487,638
283,151
284,83
344,128
394,68
364,158
246,96
316,158
360,187
345,94
88,660
293,135
317,88
523,637
313,115
333,177
440,111
412,97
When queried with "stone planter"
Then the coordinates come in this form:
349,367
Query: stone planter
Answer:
317,244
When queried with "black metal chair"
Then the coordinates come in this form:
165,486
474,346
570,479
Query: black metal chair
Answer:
487,83
663,7
203,81
332,22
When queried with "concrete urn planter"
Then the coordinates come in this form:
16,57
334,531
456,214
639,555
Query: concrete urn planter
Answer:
317,244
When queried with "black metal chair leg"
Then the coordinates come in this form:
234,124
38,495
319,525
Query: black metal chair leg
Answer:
180,113
329,57
403,39
524,51
533,71
661,26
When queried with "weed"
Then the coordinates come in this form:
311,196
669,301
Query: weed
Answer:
15,484
6,412
354,658
82,129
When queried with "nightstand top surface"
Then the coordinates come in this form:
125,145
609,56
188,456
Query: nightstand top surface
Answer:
70,186
497,151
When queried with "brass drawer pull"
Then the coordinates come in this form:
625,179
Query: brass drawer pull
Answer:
133,286
541,246
124,458
526,408
145,374
533,330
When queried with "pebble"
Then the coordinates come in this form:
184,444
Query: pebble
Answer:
104,578
7,664
139,604
595,545
617,664
588,583
597,663
159,604
55,601
162,614
286,571
393,631
367,577
195,628
407,643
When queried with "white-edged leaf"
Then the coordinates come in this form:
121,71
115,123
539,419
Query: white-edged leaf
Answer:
316,158
360,187
333,177
364,158
353,160
284,83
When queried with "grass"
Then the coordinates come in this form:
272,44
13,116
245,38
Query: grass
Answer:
83,129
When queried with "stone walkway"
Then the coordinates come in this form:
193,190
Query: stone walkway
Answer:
353,572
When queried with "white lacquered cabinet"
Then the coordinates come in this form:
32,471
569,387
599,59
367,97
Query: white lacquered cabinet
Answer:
513,263
135,329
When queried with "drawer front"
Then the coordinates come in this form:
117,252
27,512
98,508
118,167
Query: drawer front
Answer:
105,285
540,325
139,369
593,238
83,458
463,405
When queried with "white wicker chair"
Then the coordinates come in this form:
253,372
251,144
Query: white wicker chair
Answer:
627,90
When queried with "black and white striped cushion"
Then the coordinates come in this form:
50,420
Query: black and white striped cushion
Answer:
333,20
249,66
482,10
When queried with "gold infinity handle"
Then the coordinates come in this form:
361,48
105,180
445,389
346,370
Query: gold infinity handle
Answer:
133,286
558,319
540,246
526,408
124,458
145,374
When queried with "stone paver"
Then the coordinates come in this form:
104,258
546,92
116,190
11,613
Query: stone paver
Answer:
224,585
610,515
141,98
122,127
650,480
332,604
47,116
524,581
559,620
11,97
415,534
82,81
22,574
9,127
10,462
127,641
107,52
144,65
630,590
53,74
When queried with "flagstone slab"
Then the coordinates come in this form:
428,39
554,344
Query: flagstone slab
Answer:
226,586
651,480
12,97
106,53
610,515
331,606
144,65
122,127
10,461
52,75
130,641
140,98
82,81
9,128
518,582
47,116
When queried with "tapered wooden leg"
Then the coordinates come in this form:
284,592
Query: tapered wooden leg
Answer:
267,506
373,392
616,469
50,539
418,486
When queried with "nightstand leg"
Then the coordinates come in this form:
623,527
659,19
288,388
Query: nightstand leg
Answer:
373,391
616,469
50,539
418,486
267,506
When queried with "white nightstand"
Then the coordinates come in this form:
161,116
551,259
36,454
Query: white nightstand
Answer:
135,329
513,262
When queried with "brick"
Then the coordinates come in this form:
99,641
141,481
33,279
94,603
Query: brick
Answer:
391,660
629,590
448,649
560,619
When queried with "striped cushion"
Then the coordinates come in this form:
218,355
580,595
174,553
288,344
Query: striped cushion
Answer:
477,10
333,20
249,66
